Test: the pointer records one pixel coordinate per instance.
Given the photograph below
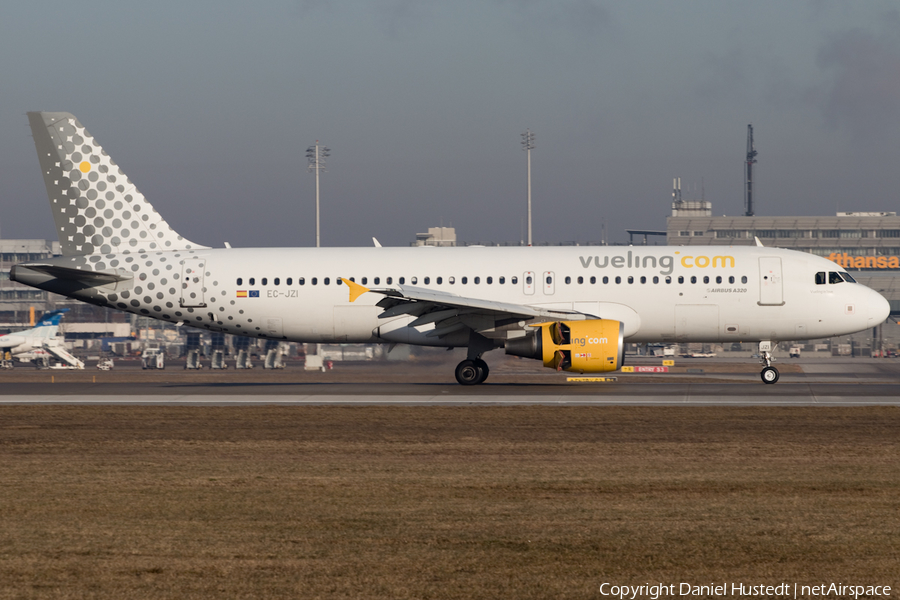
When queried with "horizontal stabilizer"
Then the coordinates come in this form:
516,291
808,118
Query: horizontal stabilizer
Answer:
34,274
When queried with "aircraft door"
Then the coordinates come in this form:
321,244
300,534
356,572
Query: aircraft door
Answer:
549,279
528,282
770,281
193,293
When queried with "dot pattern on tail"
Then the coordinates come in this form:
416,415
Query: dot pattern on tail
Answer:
96,207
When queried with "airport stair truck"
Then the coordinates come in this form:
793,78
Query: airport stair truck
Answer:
63,355
217,352
192,355
242,353
274,355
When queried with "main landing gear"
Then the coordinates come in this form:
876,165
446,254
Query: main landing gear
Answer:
473,370
769,373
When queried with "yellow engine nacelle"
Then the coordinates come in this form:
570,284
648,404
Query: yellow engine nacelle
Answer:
592,346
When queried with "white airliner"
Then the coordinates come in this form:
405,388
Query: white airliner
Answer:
41,341
573,308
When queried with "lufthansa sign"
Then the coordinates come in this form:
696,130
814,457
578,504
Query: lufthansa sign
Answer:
865,262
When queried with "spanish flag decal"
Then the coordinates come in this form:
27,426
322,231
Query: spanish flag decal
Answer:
242,294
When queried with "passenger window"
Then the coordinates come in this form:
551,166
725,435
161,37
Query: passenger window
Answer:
477,280
549,279
718,279
514,280
731,279
252,281
464,280
337,281
427,280
277,281
618,279
327,281
501,280
744,279
414,280
265,281
402,280
706,279
593,280
655,279
489,280
289,281
302,281
376,280
314,281
643,279
605,279
668,279
240,281
693,279
835,277
681,279
568,280
451,280
365,280
389,280
630,279
440,280
528,280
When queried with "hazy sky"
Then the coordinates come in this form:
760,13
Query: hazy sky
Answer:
209,108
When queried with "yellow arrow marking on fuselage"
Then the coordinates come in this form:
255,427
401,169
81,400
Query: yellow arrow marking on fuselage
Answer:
356,290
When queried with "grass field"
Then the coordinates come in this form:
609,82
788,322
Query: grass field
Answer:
441,502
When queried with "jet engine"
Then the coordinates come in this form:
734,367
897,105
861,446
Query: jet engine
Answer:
591,346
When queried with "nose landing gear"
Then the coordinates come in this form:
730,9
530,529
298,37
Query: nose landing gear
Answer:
769,373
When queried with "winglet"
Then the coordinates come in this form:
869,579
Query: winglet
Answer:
758,243
356,290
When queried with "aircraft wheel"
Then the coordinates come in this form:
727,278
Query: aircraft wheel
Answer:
769,375
485,369
469,373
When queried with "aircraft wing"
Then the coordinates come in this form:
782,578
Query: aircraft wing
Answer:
451,312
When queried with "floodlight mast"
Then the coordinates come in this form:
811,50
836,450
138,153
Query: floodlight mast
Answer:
316,156
751,160
528,146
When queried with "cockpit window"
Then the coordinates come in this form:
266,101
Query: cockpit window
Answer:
820,278
834,277
847,277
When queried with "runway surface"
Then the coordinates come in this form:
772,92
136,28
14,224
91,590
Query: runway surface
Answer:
789,394
829,382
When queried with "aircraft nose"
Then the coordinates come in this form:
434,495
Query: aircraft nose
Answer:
879,308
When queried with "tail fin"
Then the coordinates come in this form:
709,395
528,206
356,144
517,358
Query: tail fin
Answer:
96,207
51,317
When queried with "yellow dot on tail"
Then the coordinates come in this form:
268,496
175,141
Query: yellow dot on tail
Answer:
85,166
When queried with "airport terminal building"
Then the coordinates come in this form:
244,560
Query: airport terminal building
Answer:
866,244
17,299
